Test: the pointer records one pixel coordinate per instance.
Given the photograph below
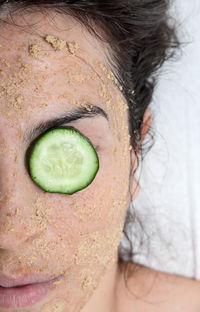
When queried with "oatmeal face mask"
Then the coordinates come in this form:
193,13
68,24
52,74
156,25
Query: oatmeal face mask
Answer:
60,105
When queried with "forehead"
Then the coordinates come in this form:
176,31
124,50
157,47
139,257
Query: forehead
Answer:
54,65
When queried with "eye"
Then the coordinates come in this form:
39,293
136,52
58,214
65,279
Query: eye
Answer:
62,160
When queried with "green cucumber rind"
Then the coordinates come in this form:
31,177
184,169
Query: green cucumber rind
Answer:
34,156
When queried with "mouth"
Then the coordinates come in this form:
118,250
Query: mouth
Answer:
21,293
8,282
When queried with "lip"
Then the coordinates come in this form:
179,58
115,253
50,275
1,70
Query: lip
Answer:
25,295
6,281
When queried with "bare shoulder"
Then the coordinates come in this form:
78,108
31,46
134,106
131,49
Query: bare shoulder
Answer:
140,289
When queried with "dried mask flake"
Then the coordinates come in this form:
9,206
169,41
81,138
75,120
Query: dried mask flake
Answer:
34,50
62,45
72,47
56,43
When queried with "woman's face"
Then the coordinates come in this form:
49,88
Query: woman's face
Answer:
49,235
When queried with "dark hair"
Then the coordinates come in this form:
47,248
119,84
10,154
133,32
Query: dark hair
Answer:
141,38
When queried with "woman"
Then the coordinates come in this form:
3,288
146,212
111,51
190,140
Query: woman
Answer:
76,82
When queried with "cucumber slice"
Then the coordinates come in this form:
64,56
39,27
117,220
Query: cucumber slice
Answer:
63,161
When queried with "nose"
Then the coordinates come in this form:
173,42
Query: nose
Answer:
17,197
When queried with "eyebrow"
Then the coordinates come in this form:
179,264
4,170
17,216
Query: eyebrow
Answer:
87,111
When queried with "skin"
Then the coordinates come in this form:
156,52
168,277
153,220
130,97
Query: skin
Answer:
73,235
49,233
